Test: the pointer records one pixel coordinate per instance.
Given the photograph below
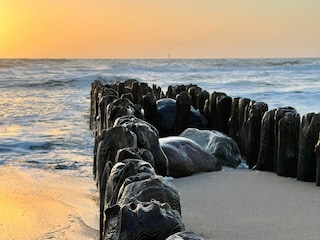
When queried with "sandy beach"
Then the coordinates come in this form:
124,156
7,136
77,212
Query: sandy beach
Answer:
249,205
35,204
229,204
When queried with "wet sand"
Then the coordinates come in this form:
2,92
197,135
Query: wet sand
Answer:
35,204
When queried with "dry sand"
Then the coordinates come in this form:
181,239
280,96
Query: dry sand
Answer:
230,204
249,205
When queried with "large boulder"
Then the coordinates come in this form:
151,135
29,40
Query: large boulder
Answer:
186,157
222,147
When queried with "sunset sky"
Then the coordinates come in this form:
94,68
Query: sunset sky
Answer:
157,28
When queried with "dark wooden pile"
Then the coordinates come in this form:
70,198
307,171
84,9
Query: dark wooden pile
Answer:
270,140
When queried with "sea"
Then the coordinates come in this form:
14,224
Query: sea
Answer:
45,103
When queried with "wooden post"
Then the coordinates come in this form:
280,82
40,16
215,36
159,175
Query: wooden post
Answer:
288,145
149,104
317,151
266,150
194,92
309,132
136,93
120,88
183,105
203,97
243,102
212,111
171,93
223,112
94,105
233,123
279,114
255,113
219,111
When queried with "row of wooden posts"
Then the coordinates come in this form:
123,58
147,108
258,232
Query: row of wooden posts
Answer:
276,140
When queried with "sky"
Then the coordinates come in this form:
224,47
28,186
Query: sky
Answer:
159,28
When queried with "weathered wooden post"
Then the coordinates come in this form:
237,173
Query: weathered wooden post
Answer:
317,151
309,132
179,88
288,145
233,123
212,110
203,97
94,104
183,105
266,151
156,90
149,104
219,111
171,93
223,112
136,93
243,103
255,113
279,114
206,110
194,92
120,88
144,88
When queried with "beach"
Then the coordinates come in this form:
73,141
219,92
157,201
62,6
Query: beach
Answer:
37,204
229,204
245,204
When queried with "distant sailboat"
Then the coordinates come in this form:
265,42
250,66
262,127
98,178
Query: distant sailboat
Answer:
169,56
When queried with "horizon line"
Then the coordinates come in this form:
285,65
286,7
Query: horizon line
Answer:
148,58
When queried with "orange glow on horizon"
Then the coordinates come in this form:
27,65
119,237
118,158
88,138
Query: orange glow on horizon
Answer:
149,29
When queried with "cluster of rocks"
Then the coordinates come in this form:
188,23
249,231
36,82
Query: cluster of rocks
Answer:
142,135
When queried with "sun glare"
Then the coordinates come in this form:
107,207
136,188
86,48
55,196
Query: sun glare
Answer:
4,26
7,26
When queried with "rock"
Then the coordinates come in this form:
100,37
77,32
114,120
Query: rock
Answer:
222,147
186,157
166,117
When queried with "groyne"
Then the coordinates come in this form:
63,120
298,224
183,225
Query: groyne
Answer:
277,140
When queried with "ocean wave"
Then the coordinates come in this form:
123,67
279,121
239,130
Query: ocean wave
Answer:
282,62
25,147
